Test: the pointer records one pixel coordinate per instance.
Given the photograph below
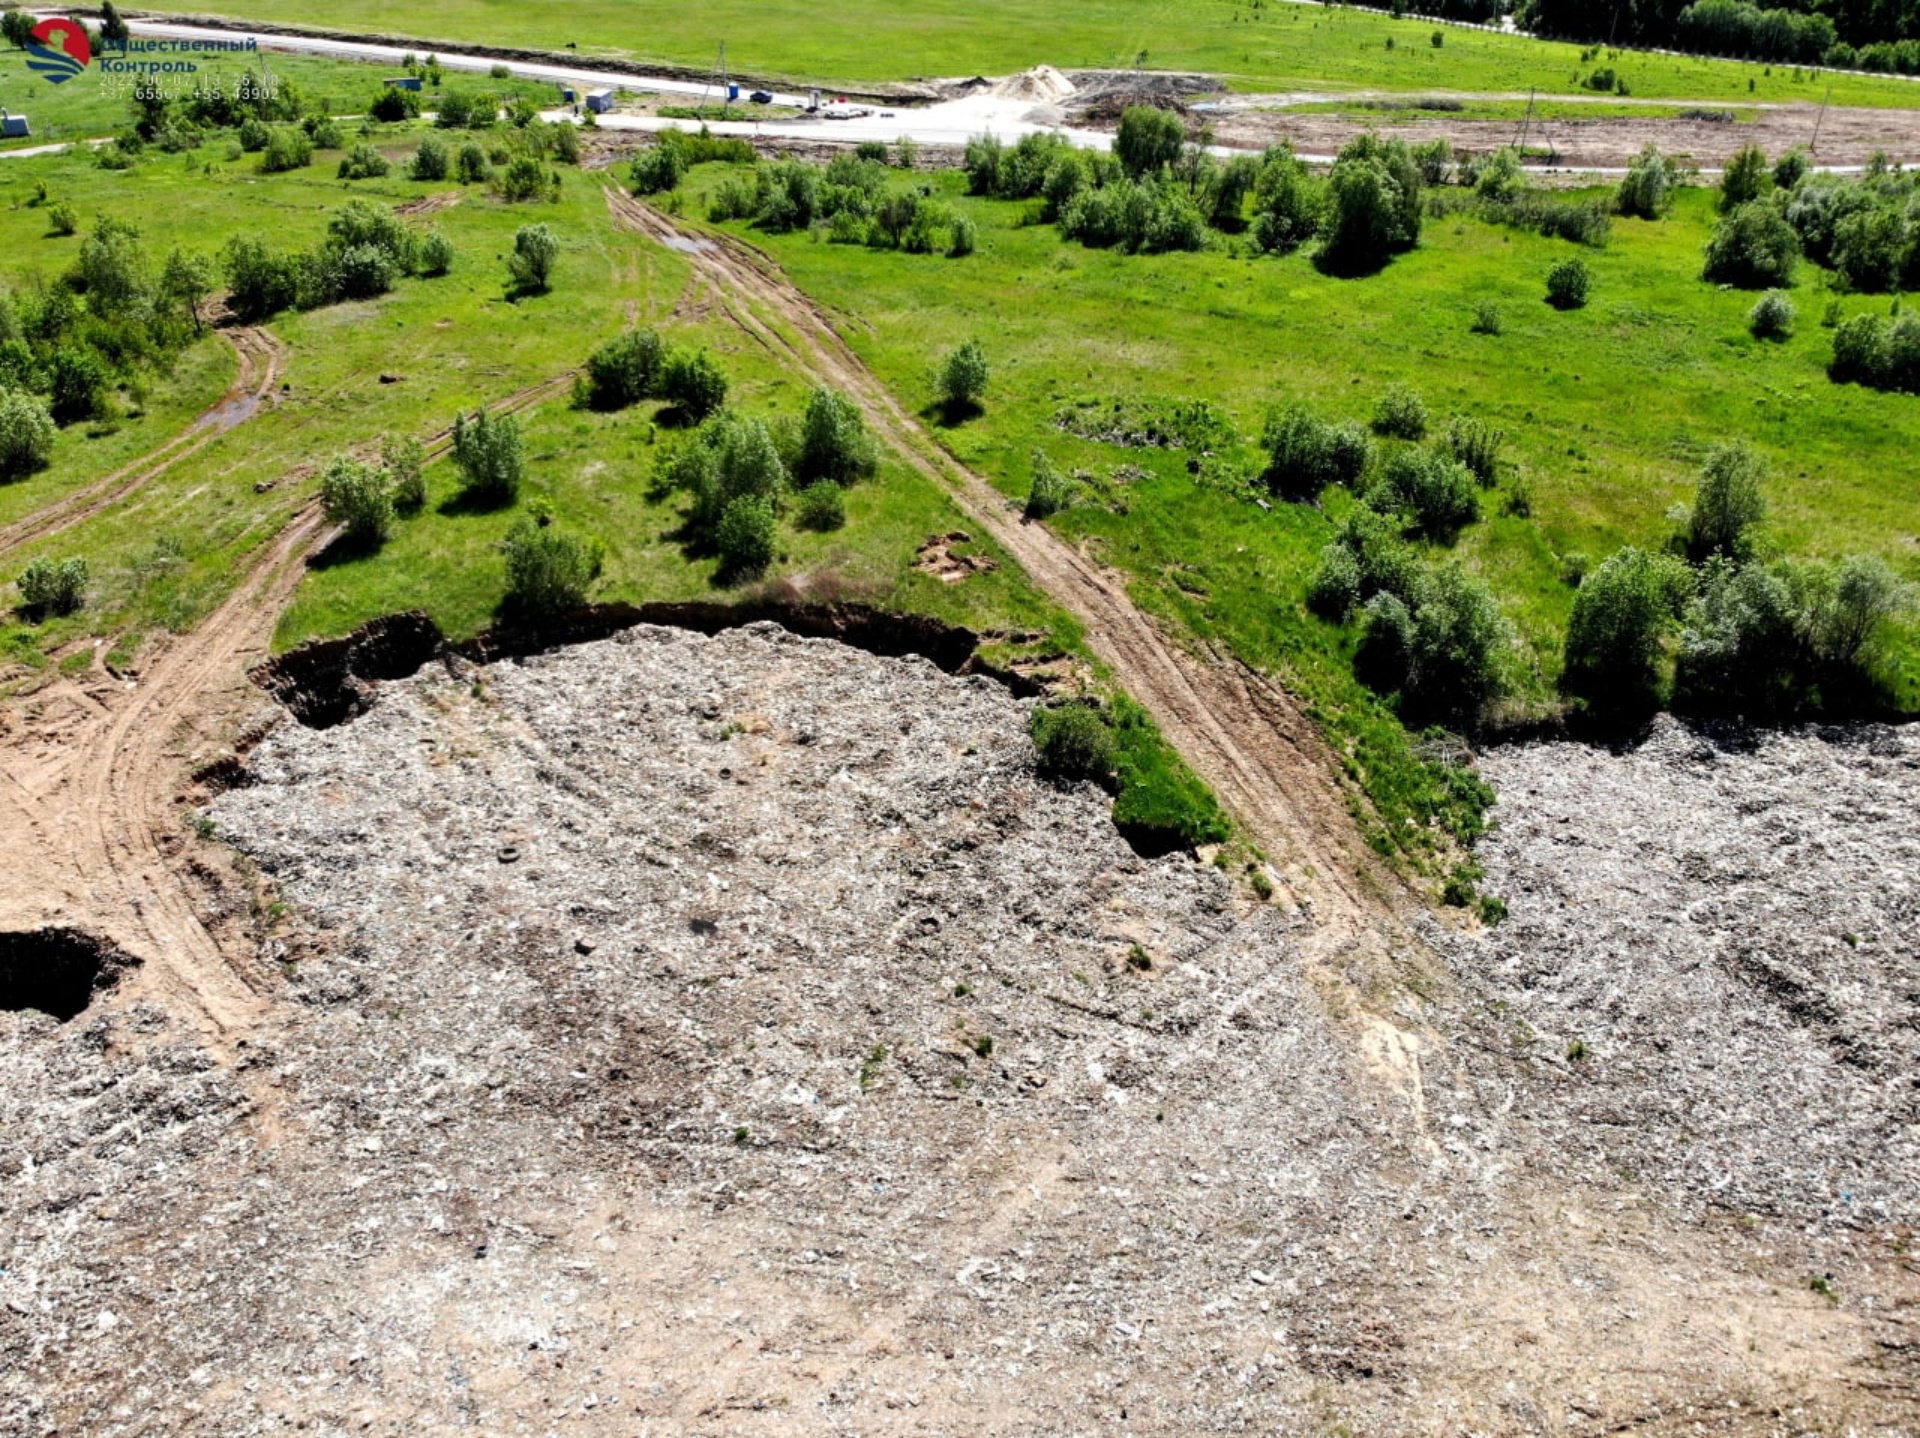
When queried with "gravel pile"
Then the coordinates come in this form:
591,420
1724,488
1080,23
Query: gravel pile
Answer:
1723,930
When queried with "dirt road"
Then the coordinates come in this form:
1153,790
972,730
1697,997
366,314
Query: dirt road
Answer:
1238,731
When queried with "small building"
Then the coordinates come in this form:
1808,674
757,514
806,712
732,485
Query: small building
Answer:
14,127
404,82
600,101
567,95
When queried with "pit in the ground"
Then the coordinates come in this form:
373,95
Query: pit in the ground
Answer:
56,971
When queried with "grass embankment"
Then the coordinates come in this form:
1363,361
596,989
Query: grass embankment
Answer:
1607,410
1278,46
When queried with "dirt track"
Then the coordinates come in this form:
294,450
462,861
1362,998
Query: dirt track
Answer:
261,358
1242,734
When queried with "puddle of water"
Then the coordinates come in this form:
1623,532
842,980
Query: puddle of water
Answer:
687,246
229,412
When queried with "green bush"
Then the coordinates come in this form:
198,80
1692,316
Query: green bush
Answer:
1287,205
470,165
1074,745
536,249
488,451
525,178
1334,589
1305,454
548,571
1745,179
963,237
834,442
1486,318
363,162
287,149
322,130
77,385
355,497
1871,249
27,433
822,507
405,460
432,161
1568,283
1374,206
395,104
1882,353
53,586
1437,495
1615,638
1400,414
436,254
1148,140
1383,658
1728,507
1753,248
1476,444
260,282
624,370
254,135
963,377
1771,317
1458,643
657,170
1050,492
694,381
1647,190
62,219
745,537
728,456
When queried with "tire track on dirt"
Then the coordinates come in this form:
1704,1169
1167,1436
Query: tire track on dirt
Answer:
1239,731
261,359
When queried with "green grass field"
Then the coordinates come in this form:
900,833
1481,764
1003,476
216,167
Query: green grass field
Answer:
1280,46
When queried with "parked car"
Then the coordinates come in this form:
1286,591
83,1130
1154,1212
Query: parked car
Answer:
761,97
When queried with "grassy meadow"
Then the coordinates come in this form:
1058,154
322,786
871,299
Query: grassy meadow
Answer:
1251,45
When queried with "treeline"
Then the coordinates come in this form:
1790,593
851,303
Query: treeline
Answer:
70,349
1877,35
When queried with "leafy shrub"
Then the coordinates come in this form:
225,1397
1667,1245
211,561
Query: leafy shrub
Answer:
436,254
1459,637
525,178
323,131
1728,507
1745,179
548,571
1074,745
1437,495
1568,283
728,456
693,380
834,442
1305,454
1435,159
1882,353
405,461
963,377
260,282
745,537
1476,444
1871,249
535,251
1383,658
1150,217
1335,587
363,162
27,433
1647,190
822,507
1791,170
624,370
361,272
355,497
61,218
470,166
962,238
394,104
1621,616
1486,318
254,135
1148,140
77,385
53,586
1400,414
1753,248
1050,492
1374,205
287,149
1500,177
488,451
1771,317
657,170
1287,205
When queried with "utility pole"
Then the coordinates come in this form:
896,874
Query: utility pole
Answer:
718,79
1526,120
1814,148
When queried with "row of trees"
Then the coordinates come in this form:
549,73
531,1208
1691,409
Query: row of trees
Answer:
365,250
1713,626
850,200
1867,34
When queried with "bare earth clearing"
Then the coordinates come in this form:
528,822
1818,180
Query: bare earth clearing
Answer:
733,1035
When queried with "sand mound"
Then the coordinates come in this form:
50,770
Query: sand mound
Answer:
1043,85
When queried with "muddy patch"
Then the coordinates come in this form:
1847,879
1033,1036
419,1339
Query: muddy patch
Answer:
937,557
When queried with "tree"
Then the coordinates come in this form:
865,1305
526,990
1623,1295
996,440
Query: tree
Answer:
432,160
1647,191
1286,204
1741,650
693,380
548,571
17,27
488,451
535,250
405,459
1437,495
1148,140
834,442
1305,454
355,497
113,29
1615,638
113,268
1753,248
436,254
53,586
1866,596
745,537
624,370
394,104
1568,282
1373,206
729,456
78,385
963,377
1458,638
363,162
27,433
525,178
186,279
287,148
260,282
1745,179
658,170
1728,507
470,167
